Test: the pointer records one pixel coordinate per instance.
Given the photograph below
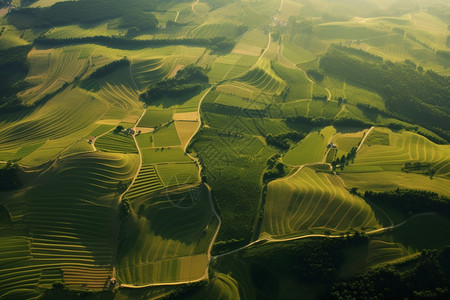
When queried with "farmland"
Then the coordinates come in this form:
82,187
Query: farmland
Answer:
223,149
313,201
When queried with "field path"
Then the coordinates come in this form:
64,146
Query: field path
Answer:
272,240
292,65
364,138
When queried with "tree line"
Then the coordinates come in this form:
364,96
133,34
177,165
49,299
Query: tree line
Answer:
419,97
13,70
412,201
189,80
284,140
424,276
79,12
126,43
9,177
107,69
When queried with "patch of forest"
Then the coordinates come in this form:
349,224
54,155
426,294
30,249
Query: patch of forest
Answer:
418,97
127,43
412,201
107,69
426,276
188,81
13,70
86,11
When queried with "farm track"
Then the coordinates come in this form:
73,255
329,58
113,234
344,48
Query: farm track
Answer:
273,240
210,257
294,66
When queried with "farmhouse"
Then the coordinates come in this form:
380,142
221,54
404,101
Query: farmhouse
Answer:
332,146
129,131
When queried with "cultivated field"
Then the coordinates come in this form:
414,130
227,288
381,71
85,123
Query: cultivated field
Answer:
311,201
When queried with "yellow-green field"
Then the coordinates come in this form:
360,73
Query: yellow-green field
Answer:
171,237
312,201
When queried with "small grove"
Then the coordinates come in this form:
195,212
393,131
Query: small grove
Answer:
189,80
86,11
412,201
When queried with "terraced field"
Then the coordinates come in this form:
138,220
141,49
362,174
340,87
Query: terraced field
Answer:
118,143
147,72
172,236
263,78
75,31
224,287
210,30
312,201
385,150
147,182
51,69
65,118
70,219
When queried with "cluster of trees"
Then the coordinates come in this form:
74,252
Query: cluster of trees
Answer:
215,4
419,167
359,53
321,121
126,43
188,81
308,261
223,109
412,201
82,11
9,177
317,75
284,140
185,291
426,276
419,97
13,70
5,2
344,160
223,46
275,169
107,69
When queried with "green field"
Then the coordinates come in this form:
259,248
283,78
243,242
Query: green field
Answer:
75,245
154,118
166,136
177,174
201,203
311,201
311,149
385,150
120,143
170,238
